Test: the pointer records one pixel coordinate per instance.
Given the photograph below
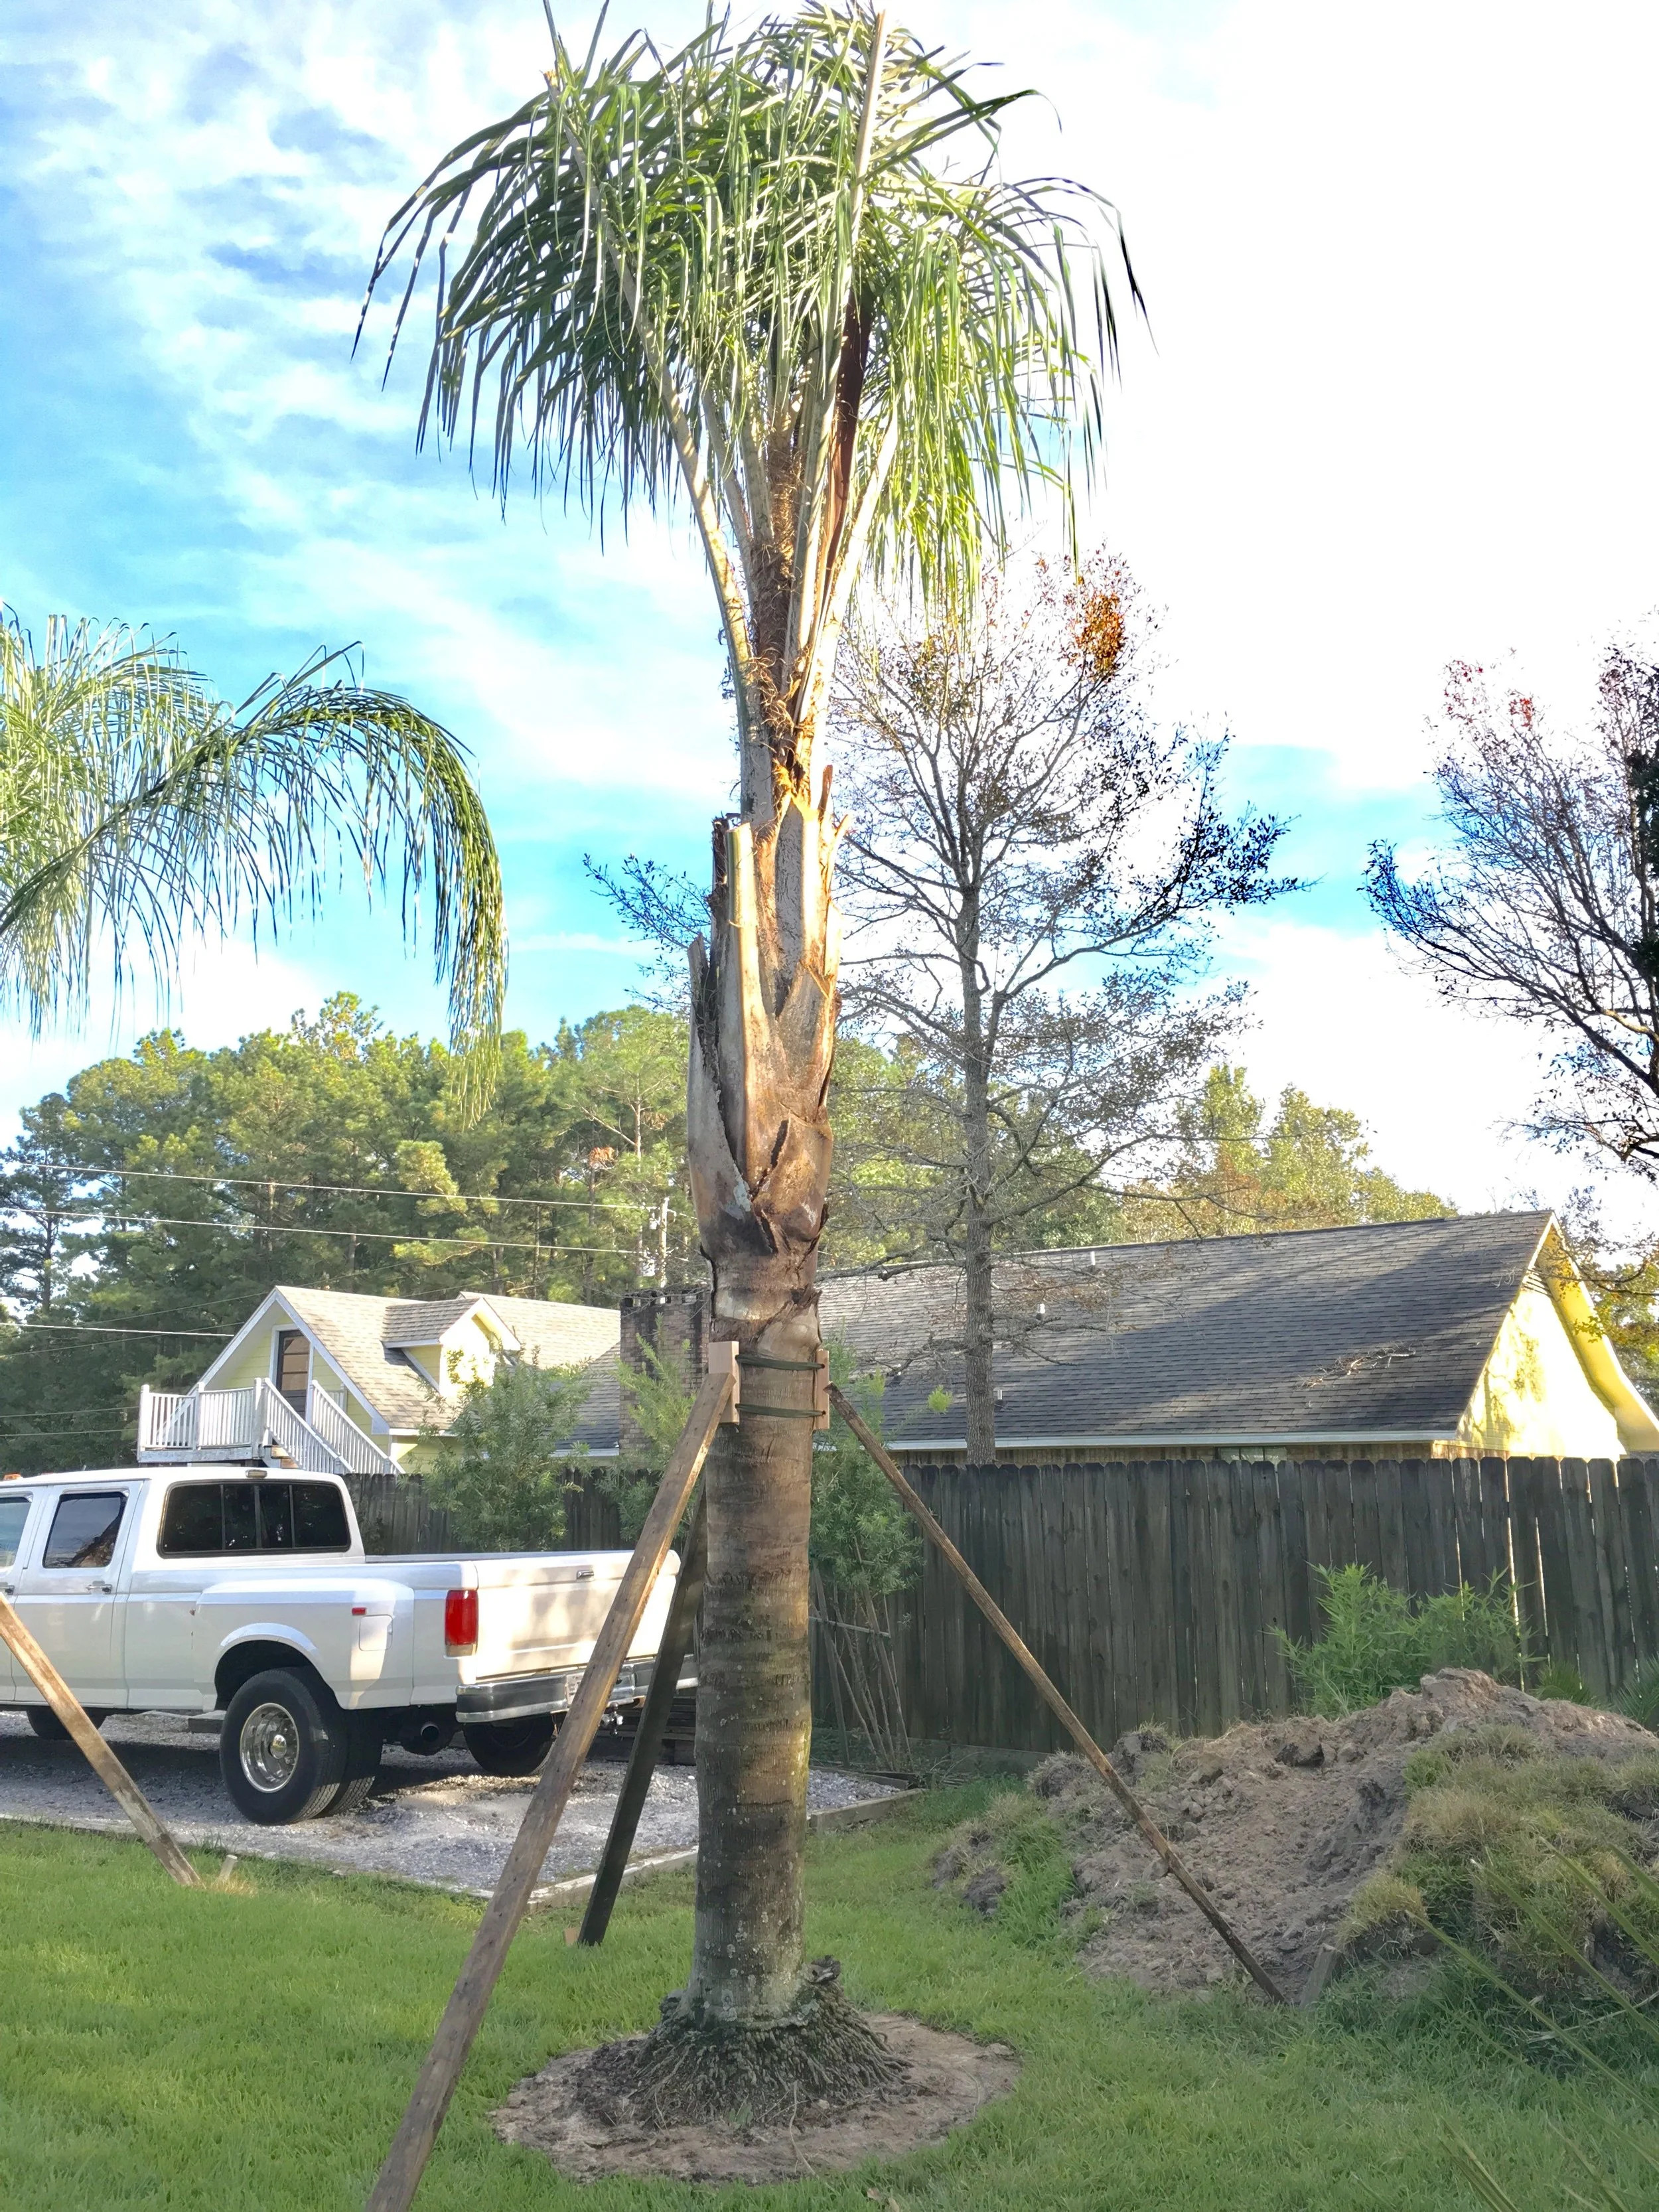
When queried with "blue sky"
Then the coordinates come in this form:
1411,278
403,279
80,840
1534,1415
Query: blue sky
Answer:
1394,405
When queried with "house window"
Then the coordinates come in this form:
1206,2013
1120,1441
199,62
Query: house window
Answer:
292,1367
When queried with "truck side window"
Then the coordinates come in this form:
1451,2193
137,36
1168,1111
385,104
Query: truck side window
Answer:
14,1518
193,1519
84,1529
319,1517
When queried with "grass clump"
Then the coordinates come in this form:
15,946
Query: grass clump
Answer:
1527,1863
1374,1638
1387,1916
1012,1859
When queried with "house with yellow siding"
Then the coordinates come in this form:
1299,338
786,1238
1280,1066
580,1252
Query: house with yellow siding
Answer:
1431,1339
360,1384
1438,1339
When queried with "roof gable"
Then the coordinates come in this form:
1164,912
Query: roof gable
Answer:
368,1340
1381,1332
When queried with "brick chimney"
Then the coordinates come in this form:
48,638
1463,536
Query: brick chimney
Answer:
675,1324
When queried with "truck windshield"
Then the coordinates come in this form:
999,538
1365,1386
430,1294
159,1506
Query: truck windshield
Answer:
202,1519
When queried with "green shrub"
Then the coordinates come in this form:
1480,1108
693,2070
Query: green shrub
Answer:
1639,1698
1374,1640
1557,1679
503,1469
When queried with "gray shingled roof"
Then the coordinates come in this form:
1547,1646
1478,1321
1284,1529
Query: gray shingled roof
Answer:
362,1335
1381,1331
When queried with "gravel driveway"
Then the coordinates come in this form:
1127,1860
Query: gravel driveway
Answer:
429,1819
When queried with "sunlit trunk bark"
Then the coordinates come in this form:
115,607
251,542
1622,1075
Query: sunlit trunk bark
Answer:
763,1023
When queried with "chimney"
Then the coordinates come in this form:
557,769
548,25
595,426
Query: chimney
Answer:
675,1324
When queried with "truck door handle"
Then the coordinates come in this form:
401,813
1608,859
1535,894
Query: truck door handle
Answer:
105,1587
8,1589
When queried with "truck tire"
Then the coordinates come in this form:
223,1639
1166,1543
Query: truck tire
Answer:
283,1750
364,1739
50,1729
511,1746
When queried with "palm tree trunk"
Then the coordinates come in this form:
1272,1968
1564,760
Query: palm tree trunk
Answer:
754,1691
763,1027
754,2027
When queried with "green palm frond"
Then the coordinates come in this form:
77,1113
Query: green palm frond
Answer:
788,282
137,804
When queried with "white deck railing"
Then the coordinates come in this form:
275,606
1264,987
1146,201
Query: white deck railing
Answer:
255,1423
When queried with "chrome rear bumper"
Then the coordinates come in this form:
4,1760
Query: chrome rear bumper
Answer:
518,1697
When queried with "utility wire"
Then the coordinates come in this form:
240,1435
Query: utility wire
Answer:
103,1328
370,1190
113,1215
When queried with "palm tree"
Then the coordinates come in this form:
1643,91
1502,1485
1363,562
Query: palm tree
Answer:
778,276
138,808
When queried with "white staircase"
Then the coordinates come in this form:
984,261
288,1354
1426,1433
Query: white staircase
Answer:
257,1423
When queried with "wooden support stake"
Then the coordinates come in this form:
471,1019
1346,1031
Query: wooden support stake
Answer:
405,2162
654,1722
102,1760
1057,1704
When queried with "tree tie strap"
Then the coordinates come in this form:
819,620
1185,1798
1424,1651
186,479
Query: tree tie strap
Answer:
777,1412
785,1366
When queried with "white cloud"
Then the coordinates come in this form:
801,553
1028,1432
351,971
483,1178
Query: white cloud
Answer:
1438,1085
226,990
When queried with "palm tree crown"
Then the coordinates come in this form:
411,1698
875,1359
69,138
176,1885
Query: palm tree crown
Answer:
748,271
136,803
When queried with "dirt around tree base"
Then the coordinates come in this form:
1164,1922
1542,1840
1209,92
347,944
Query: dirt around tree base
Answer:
944,2081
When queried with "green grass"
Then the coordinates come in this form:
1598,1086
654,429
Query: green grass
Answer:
252,2053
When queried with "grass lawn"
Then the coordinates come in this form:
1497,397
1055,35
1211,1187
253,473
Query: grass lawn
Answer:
253,2053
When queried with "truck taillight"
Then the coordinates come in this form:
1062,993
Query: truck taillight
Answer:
460,1622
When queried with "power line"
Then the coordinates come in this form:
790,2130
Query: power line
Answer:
360,1236
374,1190
102,1328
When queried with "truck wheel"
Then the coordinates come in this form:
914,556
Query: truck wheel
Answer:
511,1746
364,1739
50,1729
281,1751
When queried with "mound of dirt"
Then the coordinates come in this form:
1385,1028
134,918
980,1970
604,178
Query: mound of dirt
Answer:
1281,1820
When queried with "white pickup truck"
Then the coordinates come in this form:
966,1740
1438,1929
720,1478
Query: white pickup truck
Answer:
248,1593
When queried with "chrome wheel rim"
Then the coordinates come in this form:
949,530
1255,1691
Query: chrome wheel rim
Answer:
269,1747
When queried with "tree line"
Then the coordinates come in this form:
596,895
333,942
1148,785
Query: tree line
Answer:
148,1208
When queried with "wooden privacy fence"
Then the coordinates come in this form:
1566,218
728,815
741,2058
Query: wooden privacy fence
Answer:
395,1516
1150,1590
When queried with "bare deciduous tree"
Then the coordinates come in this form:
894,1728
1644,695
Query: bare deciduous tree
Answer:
1546,907
1031,869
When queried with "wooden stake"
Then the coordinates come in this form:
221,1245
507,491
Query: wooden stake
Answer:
102,1760
1057,1704
654,1721
400,2177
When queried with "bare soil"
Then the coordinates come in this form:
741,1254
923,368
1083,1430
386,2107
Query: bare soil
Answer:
945,2080
1282,1821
